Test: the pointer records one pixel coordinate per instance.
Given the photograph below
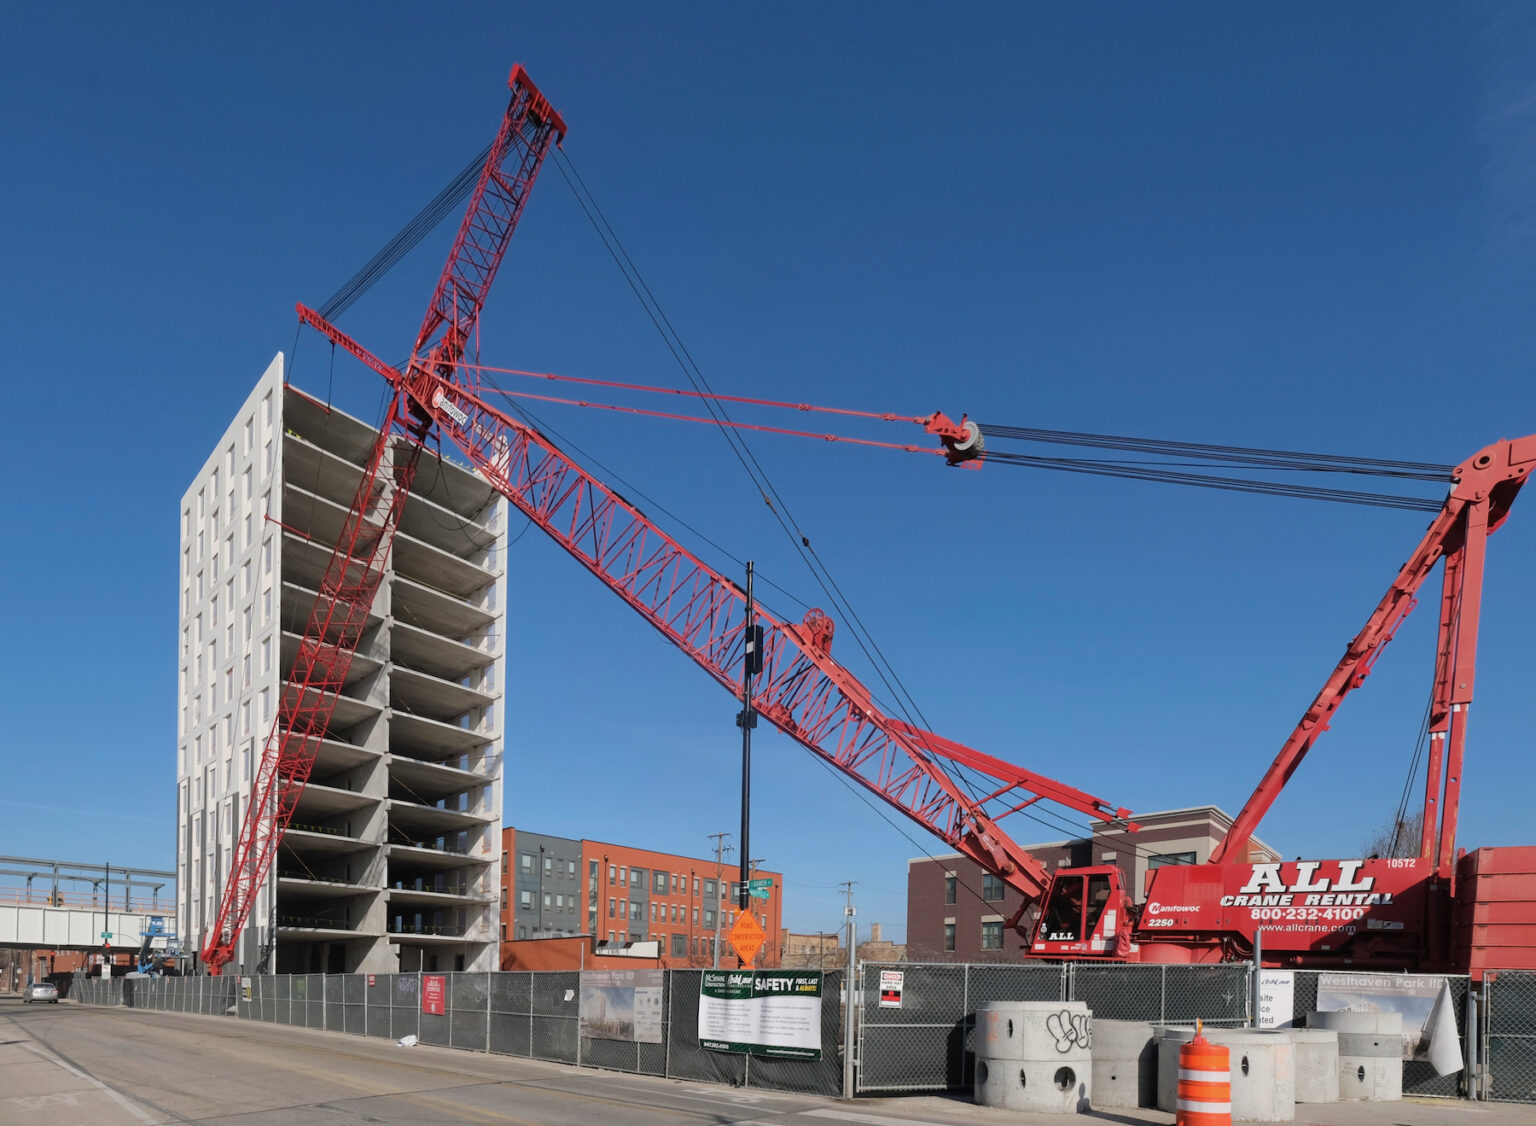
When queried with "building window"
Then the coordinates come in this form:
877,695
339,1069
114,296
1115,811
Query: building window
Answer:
991,886
679,946
611,908
522,932
527,859
547,897
503,899
1167,858
548,864
659,883
637,877
503,932
991,935
611,874
634,909
949,936
709,917
570,869
709,889
949,888
653,910
623,877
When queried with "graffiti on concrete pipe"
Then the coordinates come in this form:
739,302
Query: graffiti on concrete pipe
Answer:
1070,1030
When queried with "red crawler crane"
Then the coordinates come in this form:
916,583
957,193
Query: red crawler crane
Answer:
1386,913
802,690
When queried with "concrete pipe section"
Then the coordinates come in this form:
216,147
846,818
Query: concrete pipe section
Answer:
1263,1072
1317,1064
1034,1056
1124,1063
1370,1053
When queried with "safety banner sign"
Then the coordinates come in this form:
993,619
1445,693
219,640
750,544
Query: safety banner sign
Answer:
762,1012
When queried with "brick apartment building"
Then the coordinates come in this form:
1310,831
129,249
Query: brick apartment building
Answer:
958,912
557,887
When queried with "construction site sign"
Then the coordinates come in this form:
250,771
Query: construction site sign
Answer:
432,994
622,1005
761,1012
1277,998
747,937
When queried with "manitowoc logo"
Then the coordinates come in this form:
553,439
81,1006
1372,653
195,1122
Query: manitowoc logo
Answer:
1345,887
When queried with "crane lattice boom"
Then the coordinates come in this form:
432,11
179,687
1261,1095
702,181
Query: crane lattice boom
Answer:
802,689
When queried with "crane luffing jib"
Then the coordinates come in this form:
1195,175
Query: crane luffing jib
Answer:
802,689
1482,490
356,567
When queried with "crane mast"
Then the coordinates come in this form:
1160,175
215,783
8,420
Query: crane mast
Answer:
356,567
1482,490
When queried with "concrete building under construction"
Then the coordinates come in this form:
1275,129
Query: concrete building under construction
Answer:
392,859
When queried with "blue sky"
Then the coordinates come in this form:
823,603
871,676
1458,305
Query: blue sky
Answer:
1305,229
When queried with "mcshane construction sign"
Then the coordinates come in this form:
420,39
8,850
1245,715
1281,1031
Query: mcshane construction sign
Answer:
764,1012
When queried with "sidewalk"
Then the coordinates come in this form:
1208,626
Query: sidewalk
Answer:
1408,1112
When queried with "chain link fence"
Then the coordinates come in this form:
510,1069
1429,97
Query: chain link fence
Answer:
925,1044
530,1015
1509,1044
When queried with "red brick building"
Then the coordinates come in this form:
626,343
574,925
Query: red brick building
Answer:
618,895
957,912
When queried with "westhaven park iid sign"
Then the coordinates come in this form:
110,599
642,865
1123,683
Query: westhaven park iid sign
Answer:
761,1012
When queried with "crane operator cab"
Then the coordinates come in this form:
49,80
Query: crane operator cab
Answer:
1084,916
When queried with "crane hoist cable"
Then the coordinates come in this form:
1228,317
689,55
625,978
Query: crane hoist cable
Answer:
954,435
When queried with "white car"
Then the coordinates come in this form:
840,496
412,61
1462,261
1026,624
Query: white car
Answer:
41,991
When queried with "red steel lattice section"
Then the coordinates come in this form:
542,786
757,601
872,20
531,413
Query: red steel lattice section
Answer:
356,567
802,690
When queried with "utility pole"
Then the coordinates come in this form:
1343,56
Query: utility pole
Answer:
721,848
746,719
850,1011
541,894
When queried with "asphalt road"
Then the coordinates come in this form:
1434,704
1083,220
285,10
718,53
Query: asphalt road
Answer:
68,1065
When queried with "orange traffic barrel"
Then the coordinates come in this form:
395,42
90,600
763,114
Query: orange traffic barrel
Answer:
1205,1083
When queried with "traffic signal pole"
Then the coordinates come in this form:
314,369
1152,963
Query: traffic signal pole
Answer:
746,719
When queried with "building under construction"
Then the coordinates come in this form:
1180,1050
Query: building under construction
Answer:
392,858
